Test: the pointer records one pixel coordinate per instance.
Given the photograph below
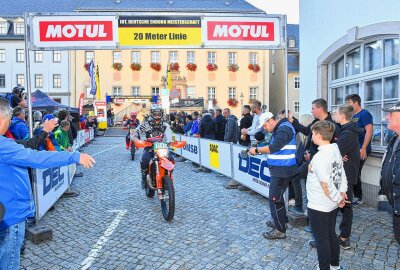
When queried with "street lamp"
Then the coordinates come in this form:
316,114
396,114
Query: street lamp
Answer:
241,99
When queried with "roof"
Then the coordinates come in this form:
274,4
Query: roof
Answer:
17,8
293,60
294,33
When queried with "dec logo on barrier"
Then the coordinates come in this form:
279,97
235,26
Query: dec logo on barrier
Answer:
255,167
191,148
52,178
214,155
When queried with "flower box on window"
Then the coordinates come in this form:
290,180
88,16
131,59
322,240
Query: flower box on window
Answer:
136,66
117,66
255,67
174,67
86,66
191,66
215,102
212,67
156,66
232,102
233,67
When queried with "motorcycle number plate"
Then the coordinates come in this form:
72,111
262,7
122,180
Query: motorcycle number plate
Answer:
160,145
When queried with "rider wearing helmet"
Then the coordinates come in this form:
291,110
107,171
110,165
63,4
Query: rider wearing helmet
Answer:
132,123
154,127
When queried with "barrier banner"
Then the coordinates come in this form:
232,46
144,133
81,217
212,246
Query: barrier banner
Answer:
91,134
72,170
87,136
192,149
51,184
178,151
216,156
81,138
251,171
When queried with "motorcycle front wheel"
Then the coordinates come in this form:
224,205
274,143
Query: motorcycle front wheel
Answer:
133,151
168,202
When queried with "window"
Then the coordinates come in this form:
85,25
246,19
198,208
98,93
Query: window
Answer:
232,92
38,56
88,95
117,91
155,57
253,92
135,57
21,79
292,43
117,57
57,56
155,91
56,80
338,69
391,52
253,58
19,28
2,55
173,57
2,80
373,55
296,106
20,55
191,57
38,80
211,93
232,58
191,92
135,90
212,57
89,56
57,100
296,82
353,62
3,28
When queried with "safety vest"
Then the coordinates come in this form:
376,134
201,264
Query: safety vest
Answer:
287,155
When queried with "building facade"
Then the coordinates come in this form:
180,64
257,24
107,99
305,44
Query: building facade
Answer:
346,52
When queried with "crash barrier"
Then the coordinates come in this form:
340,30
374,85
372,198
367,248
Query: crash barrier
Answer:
51,183
224,158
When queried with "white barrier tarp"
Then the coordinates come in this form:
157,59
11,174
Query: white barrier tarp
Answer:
51,184
251,171
176,137
91,133
81,137
216,156
192,149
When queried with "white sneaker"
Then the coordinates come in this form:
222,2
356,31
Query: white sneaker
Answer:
291,202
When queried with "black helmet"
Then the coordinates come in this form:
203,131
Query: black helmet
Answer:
18,89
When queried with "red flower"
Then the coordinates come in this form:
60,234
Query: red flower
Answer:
255,67
232,102
156,66
233,67
212,67
136,66
174,67
191,66
117,66
86,66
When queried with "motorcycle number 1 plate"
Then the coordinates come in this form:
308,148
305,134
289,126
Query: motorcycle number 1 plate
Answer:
160,145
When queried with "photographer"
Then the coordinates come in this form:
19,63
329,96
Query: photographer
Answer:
16,98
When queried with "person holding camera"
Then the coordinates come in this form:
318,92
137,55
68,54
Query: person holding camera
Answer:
281,162
16,98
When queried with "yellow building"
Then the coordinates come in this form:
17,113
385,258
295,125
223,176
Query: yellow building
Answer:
221,84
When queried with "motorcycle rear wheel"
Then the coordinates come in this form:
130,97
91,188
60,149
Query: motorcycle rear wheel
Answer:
168,203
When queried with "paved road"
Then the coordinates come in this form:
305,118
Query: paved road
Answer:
112,225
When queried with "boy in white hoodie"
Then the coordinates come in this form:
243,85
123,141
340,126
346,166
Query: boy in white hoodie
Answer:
326,191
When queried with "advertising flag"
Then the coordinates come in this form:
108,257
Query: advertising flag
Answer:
81,101
98,96
93,87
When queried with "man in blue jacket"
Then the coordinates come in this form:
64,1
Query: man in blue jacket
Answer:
281,162
18,128
15,189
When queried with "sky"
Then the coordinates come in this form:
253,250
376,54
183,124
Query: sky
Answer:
288,7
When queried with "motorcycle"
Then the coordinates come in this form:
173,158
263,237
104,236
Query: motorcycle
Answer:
160,177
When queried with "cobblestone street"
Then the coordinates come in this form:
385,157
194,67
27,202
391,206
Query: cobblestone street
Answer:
113,225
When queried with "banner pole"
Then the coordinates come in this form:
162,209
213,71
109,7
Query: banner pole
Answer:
28,74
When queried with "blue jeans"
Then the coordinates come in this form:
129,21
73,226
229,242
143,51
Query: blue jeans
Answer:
10,245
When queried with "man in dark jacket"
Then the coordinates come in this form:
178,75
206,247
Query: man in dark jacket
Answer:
281,161
348,143
231,127
207,128
245,122
220,120
390,174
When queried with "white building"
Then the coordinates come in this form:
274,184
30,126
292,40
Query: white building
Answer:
352,47
49,69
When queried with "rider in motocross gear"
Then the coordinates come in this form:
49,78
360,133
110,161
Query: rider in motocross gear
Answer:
154,127
132,123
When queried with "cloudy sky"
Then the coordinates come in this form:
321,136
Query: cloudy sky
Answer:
288,7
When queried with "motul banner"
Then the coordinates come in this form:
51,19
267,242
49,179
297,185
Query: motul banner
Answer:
242,32
74,31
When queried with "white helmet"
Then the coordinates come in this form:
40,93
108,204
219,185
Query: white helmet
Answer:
156,111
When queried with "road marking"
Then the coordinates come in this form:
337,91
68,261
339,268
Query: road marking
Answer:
105,150
102,240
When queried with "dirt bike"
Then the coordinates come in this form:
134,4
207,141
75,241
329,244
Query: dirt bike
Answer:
160,177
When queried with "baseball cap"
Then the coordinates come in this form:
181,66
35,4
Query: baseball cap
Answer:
395,108
264,117
48,117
